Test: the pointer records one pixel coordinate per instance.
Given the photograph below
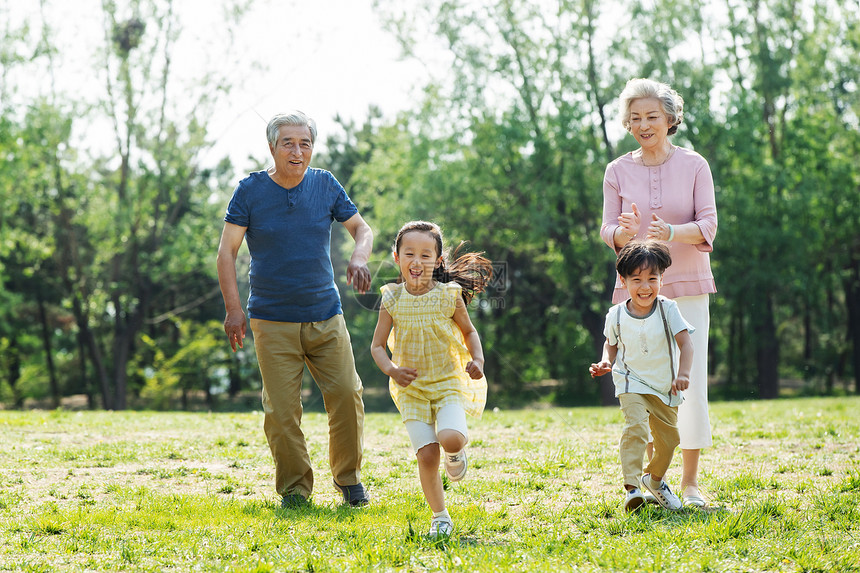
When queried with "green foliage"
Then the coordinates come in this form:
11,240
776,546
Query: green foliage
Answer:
193,365
97,253
108,287
510,155
787,173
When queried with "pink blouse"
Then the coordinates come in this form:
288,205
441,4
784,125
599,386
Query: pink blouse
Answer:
680,190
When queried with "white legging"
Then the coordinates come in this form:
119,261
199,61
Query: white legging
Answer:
694,425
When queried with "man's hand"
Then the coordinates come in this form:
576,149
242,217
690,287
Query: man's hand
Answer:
234,326
358,275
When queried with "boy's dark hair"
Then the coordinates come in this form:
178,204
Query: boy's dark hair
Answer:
470,270
648,254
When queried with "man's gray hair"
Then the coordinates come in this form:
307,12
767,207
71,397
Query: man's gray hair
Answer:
641,88
295,117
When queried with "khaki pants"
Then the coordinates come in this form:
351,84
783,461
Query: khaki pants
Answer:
283,349
640,411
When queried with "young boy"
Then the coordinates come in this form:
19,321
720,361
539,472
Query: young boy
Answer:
641,336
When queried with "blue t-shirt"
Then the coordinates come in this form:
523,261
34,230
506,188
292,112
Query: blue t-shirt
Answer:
289,236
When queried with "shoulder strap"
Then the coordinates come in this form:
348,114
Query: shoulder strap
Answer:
668,338
621,349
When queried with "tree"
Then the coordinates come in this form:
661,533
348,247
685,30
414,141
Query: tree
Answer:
785,178
128,239
501,158
518,139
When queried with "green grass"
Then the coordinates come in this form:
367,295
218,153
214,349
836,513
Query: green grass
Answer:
140,491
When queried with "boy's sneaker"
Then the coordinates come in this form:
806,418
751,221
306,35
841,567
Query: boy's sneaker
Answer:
441,526
634,499
662,493
455,465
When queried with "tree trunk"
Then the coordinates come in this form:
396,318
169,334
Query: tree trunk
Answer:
49,354
104,380
599,103
852,301
14,360
91,343
767,350
744,355
235,376
594,324
82,356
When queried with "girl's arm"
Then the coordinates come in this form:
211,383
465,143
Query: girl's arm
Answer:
685,363
403,376
606,361
475,367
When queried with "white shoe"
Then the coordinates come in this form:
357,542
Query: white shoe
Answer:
456,465
662,493
694,500
440,526
634,499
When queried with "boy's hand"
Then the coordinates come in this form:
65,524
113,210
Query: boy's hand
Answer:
404,376
601,368
475,369
680,383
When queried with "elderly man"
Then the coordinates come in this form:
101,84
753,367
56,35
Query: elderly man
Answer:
285,213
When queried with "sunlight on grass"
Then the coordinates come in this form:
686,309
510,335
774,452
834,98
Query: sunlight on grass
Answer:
108,491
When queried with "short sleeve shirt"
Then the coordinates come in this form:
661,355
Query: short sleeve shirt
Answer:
645,362
289,237
679,191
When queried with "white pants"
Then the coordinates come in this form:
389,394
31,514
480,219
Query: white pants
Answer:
450,417
694,425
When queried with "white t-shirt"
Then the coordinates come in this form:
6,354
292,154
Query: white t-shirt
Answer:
642,365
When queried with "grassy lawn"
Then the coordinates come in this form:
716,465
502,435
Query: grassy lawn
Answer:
141,491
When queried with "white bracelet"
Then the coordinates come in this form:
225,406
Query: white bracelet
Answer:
671,233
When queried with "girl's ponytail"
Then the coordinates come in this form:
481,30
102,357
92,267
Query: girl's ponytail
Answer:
470,270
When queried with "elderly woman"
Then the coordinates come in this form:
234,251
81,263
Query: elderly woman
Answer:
665,192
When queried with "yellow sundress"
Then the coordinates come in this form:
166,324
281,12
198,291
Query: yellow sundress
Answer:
425,337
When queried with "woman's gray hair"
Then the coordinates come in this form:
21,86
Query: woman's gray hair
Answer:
295,117
640,88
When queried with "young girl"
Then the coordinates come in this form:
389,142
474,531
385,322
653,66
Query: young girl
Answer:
436,367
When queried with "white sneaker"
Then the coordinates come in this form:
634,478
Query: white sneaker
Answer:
634,499
456,465
441,526
662,493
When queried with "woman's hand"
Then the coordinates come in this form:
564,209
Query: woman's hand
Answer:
629,223
659,229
